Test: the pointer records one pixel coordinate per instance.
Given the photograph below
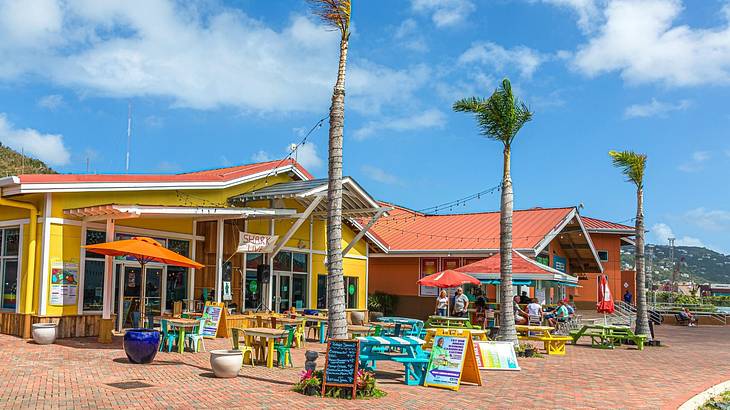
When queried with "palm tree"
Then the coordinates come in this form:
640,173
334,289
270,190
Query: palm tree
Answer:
500,117
336,14
633,165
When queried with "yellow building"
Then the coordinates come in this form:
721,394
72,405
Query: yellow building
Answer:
216,217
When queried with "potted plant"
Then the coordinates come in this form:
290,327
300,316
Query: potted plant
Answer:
141,345
226,363
44,333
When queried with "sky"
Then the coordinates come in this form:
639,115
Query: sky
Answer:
220,83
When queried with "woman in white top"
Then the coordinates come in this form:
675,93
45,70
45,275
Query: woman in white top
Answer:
442,304
534,308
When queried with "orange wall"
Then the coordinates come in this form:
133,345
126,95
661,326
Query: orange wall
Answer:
393,275
589,287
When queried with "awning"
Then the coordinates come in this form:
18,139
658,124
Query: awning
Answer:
115,211
522,283
490,281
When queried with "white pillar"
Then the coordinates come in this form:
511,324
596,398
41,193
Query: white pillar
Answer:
82,270
219,261
45,256
108,274
270,290
191,277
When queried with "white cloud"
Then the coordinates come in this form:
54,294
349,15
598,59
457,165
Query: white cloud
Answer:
196,57
307,155
51,102
655,108
431,118
380,175
444,13
711,220
696,162
586,10
521,58
48,148
641,40
259,156
409,36
662,232
154,121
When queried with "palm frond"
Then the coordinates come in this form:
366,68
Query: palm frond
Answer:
632,165
500,116
335,13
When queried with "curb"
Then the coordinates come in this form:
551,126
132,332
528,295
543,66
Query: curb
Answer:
701,398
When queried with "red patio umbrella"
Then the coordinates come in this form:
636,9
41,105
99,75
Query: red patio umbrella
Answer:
605,301
448,279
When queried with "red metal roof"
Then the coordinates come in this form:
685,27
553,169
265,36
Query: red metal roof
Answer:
592,224
212,175
405,229
520,265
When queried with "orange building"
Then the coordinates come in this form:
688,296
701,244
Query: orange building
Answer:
407,245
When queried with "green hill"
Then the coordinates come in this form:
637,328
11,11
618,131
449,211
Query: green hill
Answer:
14,163
699,264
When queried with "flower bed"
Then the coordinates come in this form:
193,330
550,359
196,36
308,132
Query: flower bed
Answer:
310,384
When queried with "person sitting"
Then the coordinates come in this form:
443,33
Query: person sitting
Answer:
691,319
520,315
524,299
534,309
561,314
571,308
628,296
480,307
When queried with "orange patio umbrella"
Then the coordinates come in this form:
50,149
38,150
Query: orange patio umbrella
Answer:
144,250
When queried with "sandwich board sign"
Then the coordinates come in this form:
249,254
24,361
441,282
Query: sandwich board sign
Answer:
214,314
341,365
452,361
495,355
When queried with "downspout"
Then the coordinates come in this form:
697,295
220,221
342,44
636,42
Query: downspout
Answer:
26,306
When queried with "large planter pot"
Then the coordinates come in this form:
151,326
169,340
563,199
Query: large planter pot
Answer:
44,333
226,363
141,345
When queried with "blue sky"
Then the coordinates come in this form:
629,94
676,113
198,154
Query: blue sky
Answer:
216,83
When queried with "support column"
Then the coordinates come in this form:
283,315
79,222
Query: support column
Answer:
191,277
45,257
220,224
269,287
107,323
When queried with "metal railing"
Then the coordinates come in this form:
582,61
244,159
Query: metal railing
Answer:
701,310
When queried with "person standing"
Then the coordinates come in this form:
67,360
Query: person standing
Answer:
461,303
628,297
442,304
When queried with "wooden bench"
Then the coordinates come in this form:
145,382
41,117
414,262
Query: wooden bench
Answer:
553,344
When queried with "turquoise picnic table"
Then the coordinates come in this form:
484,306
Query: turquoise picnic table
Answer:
405,350
414,326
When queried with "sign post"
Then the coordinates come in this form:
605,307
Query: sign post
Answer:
341,365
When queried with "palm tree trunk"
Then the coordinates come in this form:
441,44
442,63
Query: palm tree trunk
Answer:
642,315
335,282
507,319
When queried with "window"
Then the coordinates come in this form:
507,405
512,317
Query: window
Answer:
179,246
282,261
351,295
428,267
253,287
603,256
9,249
300,262
94,273
177,285
321,291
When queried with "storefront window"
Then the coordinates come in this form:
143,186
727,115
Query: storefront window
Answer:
93,284
252,286
92,238
299,291
300,262
177,285
179,246
321,291
351,295
282,261
428,266
9,249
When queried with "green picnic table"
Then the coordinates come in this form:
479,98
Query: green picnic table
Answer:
449,322
608,336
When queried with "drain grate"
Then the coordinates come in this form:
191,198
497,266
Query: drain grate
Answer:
130,385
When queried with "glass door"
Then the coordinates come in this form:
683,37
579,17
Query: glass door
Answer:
128,285
284,292
153,291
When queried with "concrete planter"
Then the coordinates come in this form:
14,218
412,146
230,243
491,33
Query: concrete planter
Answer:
44,333
226,363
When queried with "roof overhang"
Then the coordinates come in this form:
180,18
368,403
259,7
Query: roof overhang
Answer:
356,202
13,185
575,240
114,211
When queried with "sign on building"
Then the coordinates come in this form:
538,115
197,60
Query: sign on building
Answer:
253,242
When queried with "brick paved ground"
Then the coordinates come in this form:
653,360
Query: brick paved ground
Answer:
77,373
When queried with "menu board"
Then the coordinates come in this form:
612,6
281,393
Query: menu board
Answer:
495,355
340,368
212,313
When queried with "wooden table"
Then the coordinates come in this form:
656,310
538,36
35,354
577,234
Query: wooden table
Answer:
359,330
182,325
476,334
270,335
553,344
322,320
287,320
413,358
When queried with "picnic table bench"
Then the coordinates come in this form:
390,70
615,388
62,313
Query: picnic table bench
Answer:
475,334
553,344
410,354
449,322
608,336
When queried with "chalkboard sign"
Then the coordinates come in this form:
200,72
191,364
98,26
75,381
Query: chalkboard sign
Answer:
340,367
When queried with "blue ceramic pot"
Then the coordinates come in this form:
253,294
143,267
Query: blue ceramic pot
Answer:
141,345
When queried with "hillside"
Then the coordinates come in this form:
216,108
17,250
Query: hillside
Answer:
700,264
14,163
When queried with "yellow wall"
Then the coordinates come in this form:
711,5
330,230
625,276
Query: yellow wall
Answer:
65,248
